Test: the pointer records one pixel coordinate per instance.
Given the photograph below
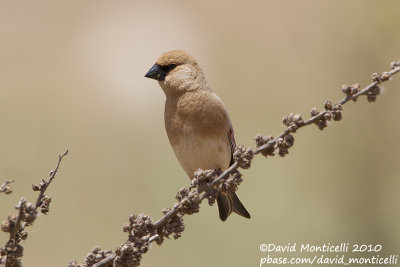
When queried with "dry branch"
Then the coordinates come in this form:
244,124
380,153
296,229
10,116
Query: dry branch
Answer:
12,251
207,184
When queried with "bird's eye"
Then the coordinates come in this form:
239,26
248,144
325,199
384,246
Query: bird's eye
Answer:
171,66
168,68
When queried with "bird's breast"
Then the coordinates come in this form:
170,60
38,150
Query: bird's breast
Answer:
194,151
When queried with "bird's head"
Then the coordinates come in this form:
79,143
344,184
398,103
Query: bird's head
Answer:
177,71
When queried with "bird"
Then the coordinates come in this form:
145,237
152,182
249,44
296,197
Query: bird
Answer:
197,122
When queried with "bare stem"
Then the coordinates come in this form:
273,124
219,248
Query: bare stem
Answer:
15,225
166,218
47,183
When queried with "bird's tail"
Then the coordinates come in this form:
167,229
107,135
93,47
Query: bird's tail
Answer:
228,203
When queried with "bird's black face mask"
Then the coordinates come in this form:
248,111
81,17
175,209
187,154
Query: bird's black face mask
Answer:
158,72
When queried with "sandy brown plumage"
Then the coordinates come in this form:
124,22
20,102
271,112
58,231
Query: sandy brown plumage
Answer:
196,120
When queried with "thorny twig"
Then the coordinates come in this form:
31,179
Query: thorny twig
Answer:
11,253
142,231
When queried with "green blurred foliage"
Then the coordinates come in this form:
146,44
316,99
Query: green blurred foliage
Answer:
71,76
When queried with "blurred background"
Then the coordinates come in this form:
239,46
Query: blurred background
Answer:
71,76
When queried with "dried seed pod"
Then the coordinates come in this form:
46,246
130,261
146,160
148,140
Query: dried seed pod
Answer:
355,88
189,201
288,140
375,90
328,115
35,187
395,64
243,156
346,89
375,77
260,141
231,184
8,223
292,127
314,112
328,105
384,76
322,124
371,98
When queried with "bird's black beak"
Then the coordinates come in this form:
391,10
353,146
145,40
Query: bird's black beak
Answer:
156,73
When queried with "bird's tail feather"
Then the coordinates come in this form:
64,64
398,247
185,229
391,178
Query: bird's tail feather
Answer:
238,206
228,203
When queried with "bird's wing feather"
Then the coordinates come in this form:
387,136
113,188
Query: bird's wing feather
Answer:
232,142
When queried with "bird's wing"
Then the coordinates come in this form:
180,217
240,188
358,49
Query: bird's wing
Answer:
232,142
